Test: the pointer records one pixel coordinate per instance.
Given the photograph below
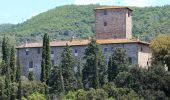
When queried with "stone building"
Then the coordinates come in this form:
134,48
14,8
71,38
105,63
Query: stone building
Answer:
113,29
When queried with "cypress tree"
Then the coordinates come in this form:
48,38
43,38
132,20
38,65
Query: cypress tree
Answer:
46,59
67,65
7,84
3,67
78,75
18,80
12,64
94,71
18,73
5,49
19,92
43,76
118,62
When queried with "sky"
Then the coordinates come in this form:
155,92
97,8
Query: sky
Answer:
17,11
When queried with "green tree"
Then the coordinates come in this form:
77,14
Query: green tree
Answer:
12,64
18,80
19,92
18,72
7,85
67,65
5,49
94,70
46,59
56,82
118,62
160,48
31,76
78,75
3,67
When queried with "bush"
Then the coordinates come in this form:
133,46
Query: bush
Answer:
29,87
35,96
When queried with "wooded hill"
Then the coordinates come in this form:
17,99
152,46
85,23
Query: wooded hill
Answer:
65,21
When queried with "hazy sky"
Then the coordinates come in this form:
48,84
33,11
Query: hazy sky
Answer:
17,11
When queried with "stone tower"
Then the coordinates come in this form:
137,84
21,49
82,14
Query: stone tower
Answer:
113,23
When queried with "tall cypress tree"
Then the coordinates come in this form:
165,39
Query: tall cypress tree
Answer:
7,84
118,62
67,65
94,71
78,75
5,49
19,92
46,59
43,76
18,72
12,64
18,80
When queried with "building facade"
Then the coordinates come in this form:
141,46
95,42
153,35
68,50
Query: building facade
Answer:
113,29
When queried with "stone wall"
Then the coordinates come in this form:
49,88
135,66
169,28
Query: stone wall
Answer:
116,23
132,51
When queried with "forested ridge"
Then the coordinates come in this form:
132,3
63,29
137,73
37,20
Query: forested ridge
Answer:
65,21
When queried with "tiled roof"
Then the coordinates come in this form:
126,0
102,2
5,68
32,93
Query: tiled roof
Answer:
81,42
113,7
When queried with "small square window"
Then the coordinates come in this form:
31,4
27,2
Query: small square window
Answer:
105,49
52,52
105,23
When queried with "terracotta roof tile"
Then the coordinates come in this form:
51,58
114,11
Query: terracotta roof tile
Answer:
113,7
81,42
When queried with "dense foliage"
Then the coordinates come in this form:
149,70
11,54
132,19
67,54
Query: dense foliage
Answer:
65,21
160,47
125,81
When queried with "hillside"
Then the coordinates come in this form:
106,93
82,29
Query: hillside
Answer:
5,27
63,22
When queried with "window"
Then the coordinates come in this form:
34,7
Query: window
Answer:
128,13
31,64
76,52
38,50
52,54
105,23
130,60
105,12
27,51
141,49
105,49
